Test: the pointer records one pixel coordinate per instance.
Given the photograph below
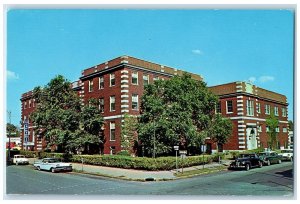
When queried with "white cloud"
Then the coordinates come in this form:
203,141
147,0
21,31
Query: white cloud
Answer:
11,75
266,78
197,52
252,79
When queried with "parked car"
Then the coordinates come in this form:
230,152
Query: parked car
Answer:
53,165
270,157
19,159
287,154
246,161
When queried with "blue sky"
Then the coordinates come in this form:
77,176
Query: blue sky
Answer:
221,45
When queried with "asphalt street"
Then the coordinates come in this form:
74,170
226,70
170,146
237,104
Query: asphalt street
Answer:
275,181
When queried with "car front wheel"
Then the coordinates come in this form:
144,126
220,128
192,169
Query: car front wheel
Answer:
52,170
268,163
247,167
279,161
260,164
38,168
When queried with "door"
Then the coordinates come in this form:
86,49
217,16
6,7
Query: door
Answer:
251,138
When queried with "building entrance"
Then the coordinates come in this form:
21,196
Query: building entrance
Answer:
251,138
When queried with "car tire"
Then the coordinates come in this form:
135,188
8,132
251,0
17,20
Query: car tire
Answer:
52,170
279,161
268,163
260,164
291,159
247,167
17,164
38,168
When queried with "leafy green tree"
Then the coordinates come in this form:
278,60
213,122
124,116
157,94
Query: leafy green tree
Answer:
11,128
129,134
60,117
175,112
220,130
272,122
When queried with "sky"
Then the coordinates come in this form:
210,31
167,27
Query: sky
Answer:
221,45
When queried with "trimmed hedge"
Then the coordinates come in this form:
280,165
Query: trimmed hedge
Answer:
143,163
126,162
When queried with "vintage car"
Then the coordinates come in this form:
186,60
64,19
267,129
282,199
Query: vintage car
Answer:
287,154
53,165
270,157
246,161
19,159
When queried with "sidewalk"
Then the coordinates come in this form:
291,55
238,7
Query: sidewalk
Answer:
139,175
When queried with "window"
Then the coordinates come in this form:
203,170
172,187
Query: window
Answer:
101,105
134,78
258,108
25,105
33,103
112,80
277,129
218,107
91,84
112,103
229,107
112,131
267,129
284,129
267,109
284,112
101,82
250,108
135,101
276,110
29,103
259,128
146,79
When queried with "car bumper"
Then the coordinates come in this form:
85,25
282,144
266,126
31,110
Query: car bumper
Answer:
58,169
234,166
23,162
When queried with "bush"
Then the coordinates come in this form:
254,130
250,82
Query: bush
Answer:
143,163
40,155
123,153
218,155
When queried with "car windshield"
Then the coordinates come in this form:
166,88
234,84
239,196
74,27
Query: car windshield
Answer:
262,154
50,161
244,155
20,156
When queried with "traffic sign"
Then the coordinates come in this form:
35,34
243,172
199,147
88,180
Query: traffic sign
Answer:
182,151
176,148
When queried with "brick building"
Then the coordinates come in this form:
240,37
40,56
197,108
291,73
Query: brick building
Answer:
248,107
118,84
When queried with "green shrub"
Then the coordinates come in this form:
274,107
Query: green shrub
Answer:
218,156
124,153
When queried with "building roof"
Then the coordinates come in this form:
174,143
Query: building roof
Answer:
137,63
247,89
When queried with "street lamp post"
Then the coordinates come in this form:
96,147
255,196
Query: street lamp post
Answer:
154,140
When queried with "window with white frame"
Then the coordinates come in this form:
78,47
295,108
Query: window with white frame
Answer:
25,105
267,109
250,108
146,79
91,85
284,112
218,107
135,101
258,108
101,105
134,78
259,128
284,129
112,128
229,107
29,103
276,110
101,82
112,80
112,103
277,129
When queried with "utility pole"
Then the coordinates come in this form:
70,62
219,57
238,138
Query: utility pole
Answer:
9,118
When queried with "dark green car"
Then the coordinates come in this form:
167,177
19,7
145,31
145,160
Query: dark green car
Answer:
270,157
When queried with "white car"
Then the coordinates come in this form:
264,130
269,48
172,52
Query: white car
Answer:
19,159
287,154
53,165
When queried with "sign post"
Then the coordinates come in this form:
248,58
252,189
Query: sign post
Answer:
182,155
26,133
176,148
203,149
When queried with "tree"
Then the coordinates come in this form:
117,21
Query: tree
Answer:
175,112
11,128
220,130
129,133
272,122
60,117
